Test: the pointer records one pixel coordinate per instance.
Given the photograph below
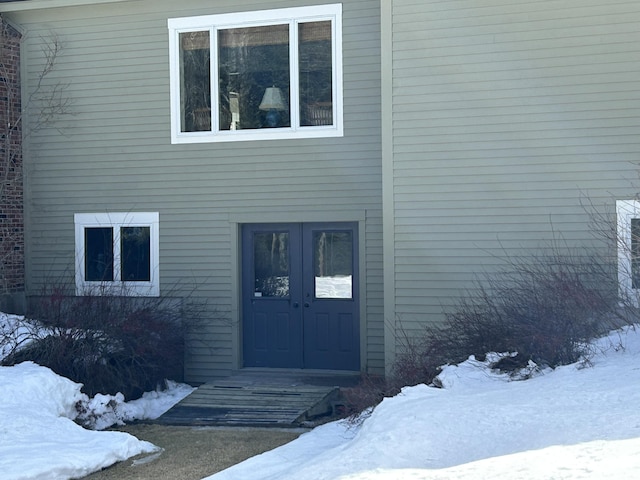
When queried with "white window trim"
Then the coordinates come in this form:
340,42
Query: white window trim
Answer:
212,23
626,210
118,220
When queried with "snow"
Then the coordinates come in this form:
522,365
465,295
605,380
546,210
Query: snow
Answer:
575,422
15,333
579,421
39,438
103,411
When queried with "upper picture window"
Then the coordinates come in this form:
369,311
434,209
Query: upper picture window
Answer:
247,76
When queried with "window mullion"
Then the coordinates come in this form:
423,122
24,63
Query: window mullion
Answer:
177,70
336,73
117,254
294,76
336,59
213,76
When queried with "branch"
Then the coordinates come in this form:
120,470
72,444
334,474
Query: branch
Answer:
46,102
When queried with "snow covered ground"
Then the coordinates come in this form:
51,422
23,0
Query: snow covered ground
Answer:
570,423
575,422
38,436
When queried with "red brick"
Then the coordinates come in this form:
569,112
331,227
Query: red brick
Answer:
11,196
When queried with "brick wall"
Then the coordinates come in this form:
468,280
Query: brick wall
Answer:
11,193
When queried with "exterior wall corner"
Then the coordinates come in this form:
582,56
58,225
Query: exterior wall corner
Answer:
12,271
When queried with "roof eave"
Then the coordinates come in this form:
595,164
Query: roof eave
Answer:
19,6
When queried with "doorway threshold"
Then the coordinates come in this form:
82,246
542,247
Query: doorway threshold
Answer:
291,376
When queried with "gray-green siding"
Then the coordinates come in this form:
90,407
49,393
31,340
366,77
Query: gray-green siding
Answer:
502,119
113,153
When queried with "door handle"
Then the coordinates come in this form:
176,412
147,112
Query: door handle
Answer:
296,304
307,304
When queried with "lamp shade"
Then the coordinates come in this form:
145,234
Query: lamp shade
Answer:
272,100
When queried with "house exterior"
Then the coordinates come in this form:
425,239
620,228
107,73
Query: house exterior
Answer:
328,176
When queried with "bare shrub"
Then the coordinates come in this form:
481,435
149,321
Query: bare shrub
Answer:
546,309
369,392
109,343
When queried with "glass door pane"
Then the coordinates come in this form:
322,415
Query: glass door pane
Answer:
271,264
333,264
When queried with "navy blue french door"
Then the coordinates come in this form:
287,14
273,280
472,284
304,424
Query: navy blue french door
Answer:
300,296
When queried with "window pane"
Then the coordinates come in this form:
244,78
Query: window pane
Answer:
271,264
98,254
135,249
635,253
195,82
333,264
316,74
254,77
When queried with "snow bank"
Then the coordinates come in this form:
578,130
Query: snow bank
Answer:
103,411
570,423
38,438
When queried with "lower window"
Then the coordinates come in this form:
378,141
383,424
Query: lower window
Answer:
628,213
117,253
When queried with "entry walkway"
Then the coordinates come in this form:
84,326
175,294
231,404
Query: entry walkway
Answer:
262,398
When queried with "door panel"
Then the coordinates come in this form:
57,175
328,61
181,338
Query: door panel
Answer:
272,322
300,306
331,324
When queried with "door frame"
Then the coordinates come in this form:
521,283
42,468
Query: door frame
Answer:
236,220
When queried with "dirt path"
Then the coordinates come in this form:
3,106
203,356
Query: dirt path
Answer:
192,453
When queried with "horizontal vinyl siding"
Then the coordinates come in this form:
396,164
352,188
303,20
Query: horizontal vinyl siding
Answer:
113,153
511,121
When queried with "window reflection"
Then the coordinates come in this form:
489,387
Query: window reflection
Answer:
195,85
316,73
271,264
333,264
254,77
136,254
635,253
98,261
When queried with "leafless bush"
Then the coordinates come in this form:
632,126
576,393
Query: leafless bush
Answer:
546,309
369,392
109,343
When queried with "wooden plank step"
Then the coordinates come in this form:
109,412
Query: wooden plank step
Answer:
229,417
252,399
233,403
